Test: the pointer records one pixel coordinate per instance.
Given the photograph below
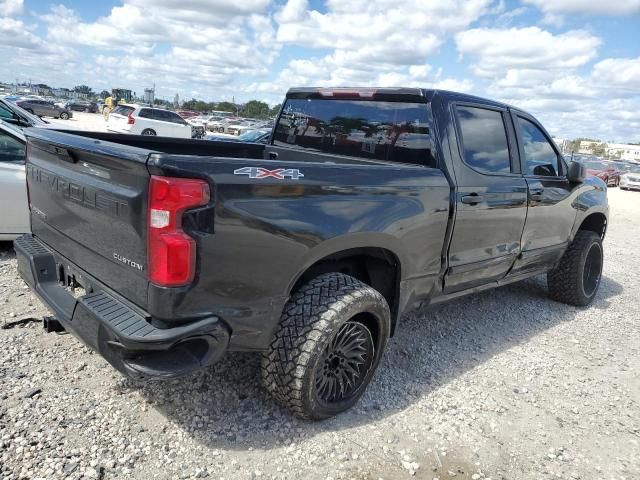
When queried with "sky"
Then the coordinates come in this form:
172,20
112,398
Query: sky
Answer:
574,64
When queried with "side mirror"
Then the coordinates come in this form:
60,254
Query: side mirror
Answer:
577,172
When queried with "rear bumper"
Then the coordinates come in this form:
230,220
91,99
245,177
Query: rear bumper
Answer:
116,329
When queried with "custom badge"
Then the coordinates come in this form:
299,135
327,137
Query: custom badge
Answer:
278,173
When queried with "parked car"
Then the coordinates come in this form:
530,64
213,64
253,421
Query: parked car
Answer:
606,171
216,123
630,180
82,106
140,120
186,114
365,204
252,136
13,114
14,208
43,108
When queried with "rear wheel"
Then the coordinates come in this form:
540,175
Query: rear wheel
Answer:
328,345
64,116
149,131
577,277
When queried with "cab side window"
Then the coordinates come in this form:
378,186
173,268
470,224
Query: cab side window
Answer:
11,149
484,139
5,113
541,159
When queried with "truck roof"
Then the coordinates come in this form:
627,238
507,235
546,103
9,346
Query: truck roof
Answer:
407,94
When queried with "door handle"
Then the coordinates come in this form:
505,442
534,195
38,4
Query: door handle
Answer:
472,199
536,195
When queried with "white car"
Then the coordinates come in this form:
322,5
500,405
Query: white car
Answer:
631,179
14,205
238,129
216,124
141,120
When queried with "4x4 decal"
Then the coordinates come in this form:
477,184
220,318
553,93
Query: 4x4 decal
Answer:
279,173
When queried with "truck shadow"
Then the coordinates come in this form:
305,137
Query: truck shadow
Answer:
225,407
6,251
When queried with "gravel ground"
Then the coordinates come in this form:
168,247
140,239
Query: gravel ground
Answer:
504,385
93,122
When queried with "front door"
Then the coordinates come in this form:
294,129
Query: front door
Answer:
14,209
491,198
550,216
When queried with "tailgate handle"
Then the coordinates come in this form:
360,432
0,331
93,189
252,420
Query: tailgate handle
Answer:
64,154
273,155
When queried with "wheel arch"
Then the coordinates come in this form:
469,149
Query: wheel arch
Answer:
594,222
378,266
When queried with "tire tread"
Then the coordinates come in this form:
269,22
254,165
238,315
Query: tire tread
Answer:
308,321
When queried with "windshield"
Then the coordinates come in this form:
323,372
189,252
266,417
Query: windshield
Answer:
123,110
252,135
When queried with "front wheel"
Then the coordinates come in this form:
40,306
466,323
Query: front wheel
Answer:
64,116
328,344
576,279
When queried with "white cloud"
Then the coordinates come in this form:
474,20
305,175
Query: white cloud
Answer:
597,7
14,33
498,50
618,74
11,8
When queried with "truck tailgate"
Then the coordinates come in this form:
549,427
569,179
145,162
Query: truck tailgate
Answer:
88,202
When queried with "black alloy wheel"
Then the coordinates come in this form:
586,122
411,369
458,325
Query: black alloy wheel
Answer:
592,270
344,364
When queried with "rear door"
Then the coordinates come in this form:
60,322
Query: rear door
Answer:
89,203
550,216
181,128
14,211
491,198
165,125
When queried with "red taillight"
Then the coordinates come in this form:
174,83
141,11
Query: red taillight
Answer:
171,253
130,119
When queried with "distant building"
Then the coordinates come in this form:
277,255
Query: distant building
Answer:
149,96
77,95
624,151
61,92
41,89
586,147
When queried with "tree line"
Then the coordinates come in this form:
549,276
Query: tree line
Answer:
253,108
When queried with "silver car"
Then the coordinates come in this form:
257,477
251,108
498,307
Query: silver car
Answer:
631,179
14,208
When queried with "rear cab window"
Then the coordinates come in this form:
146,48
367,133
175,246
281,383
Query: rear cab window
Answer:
370,129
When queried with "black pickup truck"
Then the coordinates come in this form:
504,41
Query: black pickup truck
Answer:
162,254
